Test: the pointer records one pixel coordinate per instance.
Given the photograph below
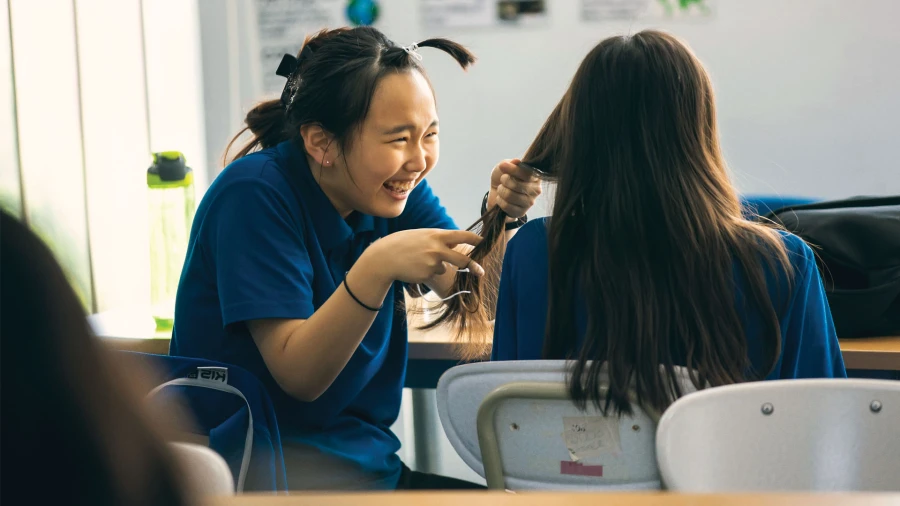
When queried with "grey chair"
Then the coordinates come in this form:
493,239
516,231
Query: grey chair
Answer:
787,435
514,424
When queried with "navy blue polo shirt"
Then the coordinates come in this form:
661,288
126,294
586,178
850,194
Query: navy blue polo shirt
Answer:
267,243
809,344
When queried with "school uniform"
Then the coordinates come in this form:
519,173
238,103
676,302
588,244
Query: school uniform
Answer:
267,243
810,346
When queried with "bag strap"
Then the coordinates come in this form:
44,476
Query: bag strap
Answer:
893,200
222,387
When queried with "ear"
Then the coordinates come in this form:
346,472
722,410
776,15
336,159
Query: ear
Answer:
319,144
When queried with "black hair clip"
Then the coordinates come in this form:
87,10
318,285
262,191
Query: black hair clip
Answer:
287,66
537,172
290,68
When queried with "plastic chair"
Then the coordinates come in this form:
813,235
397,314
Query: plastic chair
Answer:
207,473
517,415
787,435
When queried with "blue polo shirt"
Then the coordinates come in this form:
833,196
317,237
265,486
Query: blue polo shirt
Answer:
809,344
267,243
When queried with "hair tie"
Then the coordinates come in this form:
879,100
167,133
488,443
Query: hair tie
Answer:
413,50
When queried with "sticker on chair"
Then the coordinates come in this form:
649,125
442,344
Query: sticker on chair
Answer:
579,469
588,437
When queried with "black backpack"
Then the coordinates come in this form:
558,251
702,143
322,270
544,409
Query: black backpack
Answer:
857,246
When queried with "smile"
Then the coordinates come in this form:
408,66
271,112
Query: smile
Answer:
399,189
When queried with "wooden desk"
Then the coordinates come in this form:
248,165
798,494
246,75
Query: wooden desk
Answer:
557,499
133,330
872,353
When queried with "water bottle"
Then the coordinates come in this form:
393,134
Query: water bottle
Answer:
172,205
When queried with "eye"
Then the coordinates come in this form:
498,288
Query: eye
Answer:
431,134
400,139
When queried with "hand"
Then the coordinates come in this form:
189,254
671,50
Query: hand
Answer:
513,188
418,256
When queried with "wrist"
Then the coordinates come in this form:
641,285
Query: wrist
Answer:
516,223
371,269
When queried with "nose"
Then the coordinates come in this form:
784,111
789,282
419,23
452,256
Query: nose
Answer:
418,159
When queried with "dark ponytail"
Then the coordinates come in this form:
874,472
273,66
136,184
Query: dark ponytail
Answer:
459,53
267,122
336,75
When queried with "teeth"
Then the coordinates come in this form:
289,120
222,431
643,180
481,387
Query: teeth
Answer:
399,186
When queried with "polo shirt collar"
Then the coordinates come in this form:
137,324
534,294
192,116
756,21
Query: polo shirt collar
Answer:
330,227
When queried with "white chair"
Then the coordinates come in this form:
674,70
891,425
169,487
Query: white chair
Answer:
534,437
789,435
206,471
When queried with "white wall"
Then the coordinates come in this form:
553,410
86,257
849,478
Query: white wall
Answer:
807,91
115,139
231,76
49,130
10,185
174,70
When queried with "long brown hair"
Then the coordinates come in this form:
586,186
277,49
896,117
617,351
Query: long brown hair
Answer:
470,315
647,232
338,71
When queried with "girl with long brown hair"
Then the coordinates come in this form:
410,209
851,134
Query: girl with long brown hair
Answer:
646,262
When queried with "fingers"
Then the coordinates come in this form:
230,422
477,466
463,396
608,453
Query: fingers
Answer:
462,261
513,169
513,203
454,238
529,188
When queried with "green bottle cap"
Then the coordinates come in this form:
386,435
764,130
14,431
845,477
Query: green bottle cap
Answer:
169,170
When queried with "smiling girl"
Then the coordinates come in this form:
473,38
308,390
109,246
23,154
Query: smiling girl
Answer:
301,247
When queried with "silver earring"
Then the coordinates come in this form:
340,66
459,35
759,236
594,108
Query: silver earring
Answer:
327,162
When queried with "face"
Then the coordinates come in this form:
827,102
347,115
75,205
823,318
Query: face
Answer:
397,145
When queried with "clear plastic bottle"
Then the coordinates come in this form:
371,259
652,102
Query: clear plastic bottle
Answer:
172,206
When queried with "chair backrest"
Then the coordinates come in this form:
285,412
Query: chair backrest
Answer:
230,407
206,471
539,438
788,435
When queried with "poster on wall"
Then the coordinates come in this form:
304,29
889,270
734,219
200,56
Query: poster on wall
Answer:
483,13
283,24
631,10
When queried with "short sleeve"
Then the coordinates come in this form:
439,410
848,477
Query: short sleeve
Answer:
262,268
424,210
811,348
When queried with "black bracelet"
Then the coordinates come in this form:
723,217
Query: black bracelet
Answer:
516,224
370,308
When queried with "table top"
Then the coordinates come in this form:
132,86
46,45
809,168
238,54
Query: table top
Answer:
871,353
133,330
557,499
